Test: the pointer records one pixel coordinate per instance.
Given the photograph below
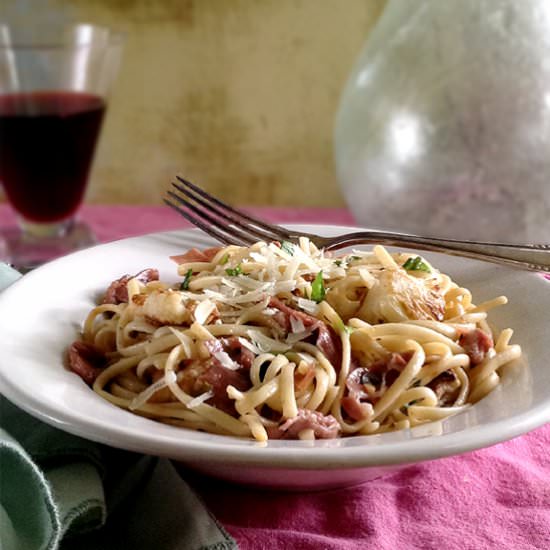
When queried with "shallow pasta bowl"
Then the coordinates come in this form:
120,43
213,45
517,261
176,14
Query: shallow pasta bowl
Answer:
43,312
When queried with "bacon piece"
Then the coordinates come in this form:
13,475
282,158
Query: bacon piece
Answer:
234,348
301,381
354,408
117,292
210,374
196,255
326,339
476,344
357,379
279,323
323,426
218,378
86,360
398,361
329,343
380,374
284,320
202,375
445,387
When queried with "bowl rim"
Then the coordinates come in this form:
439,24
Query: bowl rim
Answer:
321,454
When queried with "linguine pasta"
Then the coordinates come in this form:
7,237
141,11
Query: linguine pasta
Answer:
286,341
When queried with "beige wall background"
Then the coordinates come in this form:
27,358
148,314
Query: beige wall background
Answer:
238,96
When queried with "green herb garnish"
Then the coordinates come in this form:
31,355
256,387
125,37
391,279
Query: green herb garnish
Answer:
185,283
416,264
234,271
288,247
318,288
337,263
341,327
225,259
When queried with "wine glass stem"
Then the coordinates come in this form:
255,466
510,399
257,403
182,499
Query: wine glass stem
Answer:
45,230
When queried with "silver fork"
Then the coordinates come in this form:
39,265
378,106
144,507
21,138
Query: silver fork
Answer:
232,226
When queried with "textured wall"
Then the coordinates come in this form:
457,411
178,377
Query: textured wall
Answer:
237,95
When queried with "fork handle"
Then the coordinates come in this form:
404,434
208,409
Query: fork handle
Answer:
533,257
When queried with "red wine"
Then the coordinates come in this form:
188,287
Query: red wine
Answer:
47,142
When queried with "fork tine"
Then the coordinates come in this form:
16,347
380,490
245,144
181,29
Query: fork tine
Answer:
208,229
202,207
260,229
207,223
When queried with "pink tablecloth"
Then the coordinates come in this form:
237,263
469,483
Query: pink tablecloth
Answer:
118,222
493,498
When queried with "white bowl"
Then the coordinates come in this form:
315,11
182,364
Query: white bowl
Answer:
43,312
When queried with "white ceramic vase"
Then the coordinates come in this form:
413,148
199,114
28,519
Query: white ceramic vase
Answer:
444,124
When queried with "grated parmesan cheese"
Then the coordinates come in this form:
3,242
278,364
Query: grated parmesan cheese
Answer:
296,324
226,361
203,311
308,305
196,401
146,394
265,343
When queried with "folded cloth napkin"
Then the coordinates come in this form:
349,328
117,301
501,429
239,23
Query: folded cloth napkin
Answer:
61,491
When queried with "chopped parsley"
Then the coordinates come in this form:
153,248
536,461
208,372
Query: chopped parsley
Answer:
234,271
340,326
337,263
318,288
185,283
225,259
416,264
288,247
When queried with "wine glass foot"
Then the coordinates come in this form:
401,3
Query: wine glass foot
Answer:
25,252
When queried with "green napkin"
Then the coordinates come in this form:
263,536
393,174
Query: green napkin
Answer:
61,491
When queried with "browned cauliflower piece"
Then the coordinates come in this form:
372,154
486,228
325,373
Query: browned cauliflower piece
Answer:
162,307
397,297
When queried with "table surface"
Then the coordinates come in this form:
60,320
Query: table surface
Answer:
497,497
120,221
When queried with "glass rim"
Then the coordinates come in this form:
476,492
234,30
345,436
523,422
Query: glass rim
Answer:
114,37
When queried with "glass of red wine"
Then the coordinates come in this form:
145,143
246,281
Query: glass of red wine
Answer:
54,85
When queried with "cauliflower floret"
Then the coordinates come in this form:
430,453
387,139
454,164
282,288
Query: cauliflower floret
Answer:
162,307
398,297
